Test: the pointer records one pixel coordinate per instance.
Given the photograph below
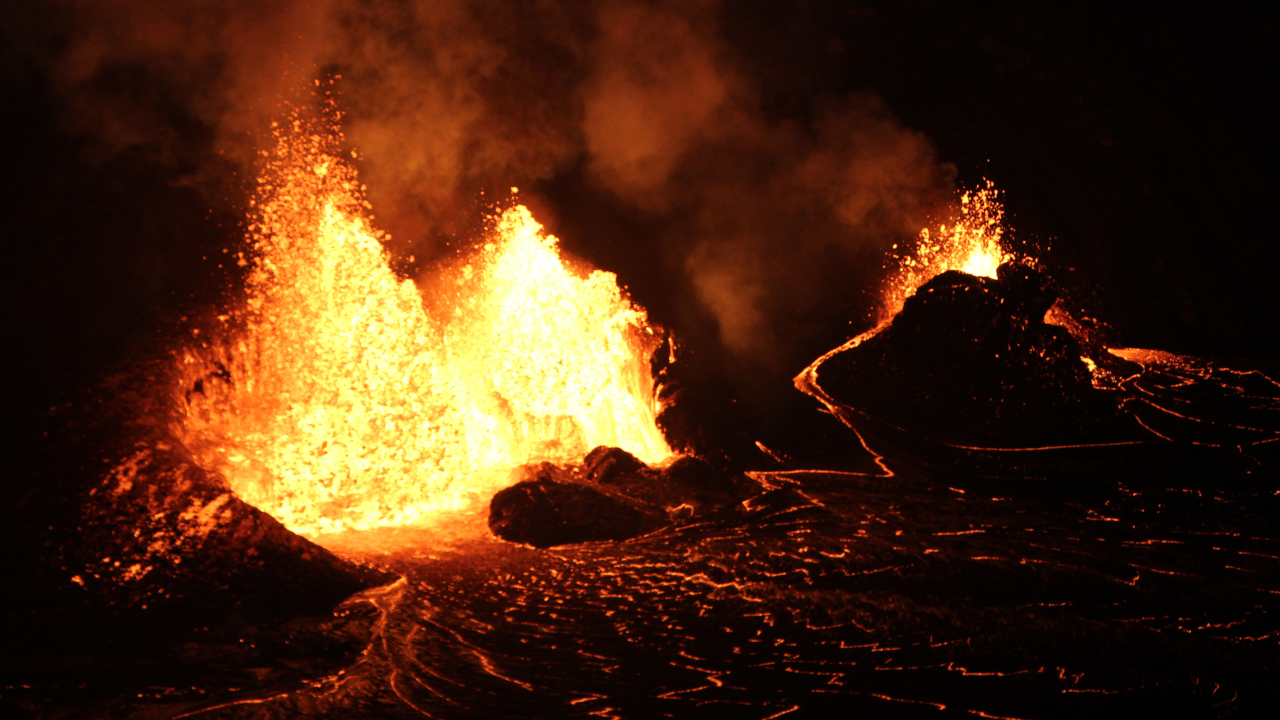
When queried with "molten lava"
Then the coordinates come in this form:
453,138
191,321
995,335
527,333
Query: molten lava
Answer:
336,400
972,244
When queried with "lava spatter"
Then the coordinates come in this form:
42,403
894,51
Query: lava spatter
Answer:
338,401
973,244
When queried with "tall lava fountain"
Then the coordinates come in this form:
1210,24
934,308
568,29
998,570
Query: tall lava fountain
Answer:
335,398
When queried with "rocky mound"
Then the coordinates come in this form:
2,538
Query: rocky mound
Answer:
611,496
120,529
970,360
132,573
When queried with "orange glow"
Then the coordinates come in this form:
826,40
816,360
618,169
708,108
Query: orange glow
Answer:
971,245
337,399
1058,315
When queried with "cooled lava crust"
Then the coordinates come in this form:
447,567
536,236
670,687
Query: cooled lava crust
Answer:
970,361
611,496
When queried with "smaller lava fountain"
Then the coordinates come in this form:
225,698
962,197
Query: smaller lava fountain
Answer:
973,244
335,398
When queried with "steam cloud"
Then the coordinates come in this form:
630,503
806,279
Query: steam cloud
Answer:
770,226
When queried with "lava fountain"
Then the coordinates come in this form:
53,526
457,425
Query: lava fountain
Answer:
972,244
337,397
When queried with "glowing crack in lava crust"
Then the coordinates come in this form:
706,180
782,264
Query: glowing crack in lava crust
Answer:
337,399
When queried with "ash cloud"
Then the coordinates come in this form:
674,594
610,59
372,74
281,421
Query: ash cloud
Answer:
771,226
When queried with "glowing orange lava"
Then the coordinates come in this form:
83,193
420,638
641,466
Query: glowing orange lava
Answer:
972,244
336,400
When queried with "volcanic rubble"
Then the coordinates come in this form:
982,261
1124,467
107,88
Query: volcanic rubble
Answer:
131,566
611,496
970,360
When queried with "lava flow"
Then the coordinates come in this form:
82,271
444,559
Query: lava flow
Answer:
334,399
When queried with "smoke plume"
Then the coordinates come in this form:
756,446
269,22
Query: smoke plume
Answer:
771,226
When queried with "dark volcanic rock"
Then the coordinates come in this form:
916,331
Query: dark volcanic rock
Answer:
686,481
699,484
128,567
125,530
545,511
160,534
970,360
611,496
607,465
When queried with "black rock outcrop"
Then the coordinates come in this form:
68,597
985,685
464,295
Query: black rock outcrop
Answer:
547,510
611,496
970,360
130,567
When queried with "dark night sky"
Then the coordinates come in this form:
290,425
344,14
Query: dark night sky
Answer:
1141,143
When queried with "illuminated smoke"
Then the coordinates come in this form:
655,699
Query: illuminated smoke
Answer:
769,229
